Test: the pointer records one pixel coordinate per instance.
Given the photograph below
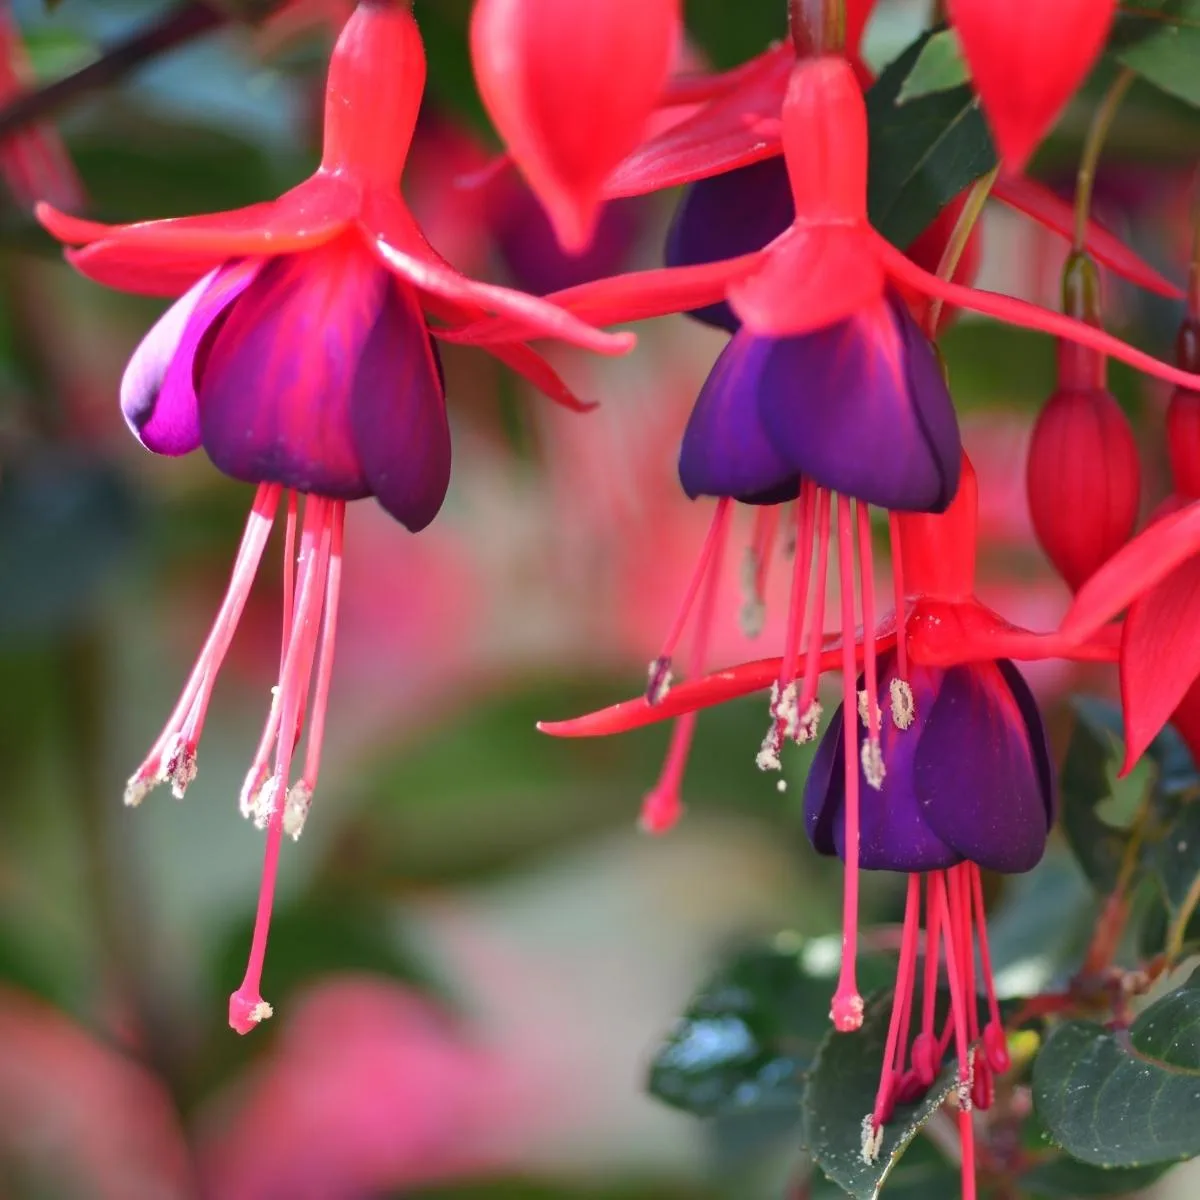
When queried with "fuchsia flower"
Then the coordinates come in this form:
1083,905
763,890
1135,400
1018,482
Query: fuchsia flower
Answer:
941,626
1027,61
847,266
1083,472
1156,577
300,359
569,87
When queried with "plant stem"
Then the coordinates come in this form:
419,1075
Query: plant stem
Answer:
817,26
952,255
187,22
1098,130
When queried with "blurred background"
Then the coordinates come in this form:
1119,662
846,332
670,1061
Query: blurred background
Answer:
476,953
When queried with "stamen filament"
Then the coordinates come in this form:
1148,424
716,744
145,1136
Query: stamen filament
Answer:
898,590
847,1008
663,804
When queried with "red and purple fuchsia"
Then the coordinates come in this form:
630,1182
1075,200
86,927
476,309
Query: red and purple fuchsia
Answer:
300,358
300,354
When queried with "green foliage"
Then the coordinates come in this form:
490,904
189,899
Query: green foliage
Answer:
1126,1098
924,152
939,67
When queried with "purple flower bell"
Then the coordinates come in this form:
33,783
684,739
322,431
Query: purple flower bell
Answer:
726,216
959,780
314,371
967,774
861,408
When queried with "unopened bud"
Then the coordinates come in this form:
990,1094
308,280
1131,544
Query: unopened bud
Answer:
1084,481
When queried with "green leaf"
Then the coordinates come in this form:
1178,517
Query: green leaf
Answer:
841,1093
923,152
1165,51
729,34
921,1175
1065,1179
1175,859
1119,1099
746,1040
939,67
1086,783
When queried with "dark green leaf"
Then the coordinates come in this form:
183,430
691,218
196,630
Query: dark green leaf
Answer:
1066,1179
1175,859
923,153
1085,784
939,67
841,1093
747,1038
729,34
65,522
1126,1099
922,1174
1165,51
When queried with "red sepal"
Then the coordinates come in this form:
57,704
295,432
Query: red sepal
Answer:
1052,212
569,87
732,130
937,632
1027,59
1160,656
1137,567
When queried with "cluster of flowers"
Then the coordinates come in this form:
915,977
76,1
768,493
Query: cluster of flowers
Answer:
301,355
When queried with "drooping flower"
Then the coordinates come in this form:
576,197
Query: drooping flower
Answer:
970,785
1083,473
858,412
569,87
1156,577
300,359
1027,62
847,265
938,624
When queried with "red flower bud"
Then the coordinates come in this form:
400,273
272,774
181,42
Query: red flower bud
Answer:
1183,417
1027,59
1084,479
569,88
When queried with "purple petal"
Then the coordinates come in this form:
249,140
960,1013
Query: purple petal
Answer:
862,408
894,834
727,216
398,413
539,265
158,398
278,378
726,451
1038,741
978,774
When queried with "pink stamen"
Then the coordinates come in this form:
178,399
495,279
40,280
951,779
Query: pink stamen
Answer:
660,669
663,804
872,756
765,524
172,756
321,526
847,1009
897,1037
995,1041
801,573
898,591
333,584
816,631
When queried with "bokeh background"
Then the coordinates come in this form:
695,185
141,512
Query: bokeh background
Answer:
476,952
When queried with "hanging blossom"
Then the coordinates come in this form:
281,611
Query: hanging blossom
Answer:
938,624
735,125
569,88
1155,579
299,357
846,265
